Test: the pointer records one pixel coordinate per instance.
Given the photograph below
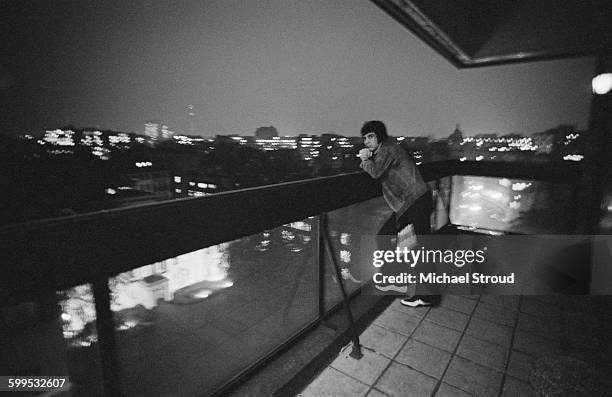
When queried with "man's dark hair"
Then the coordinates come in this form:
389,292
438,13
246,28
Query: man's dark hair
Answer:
377,127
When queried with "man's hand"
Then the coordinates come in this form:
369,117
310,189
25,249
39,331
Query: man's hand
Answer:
365,154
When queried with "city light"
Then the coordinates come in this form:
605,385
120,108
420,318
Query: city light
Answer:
299,225
602,84
573,157
520,186
345,256
59,137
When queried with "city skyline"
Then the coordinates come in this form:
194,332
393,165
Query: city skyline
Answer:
302,67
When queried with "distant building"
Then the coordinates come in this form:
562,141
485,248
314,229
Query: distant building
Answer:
274,143
95,140
308,147
190,140
119,140
152,131
456,137
418,147
60,141
155,132
155,182
198,183
165,133
545,142
266,132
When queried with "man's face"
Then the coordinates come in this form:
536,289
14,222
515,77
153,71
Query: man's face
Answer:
370,140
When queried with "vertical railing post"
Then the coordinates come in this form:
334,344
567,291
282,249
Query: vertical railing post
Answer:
106,338
356,350
321,263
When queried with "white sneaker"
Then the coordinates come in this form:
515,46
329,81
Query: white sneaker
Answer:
417,301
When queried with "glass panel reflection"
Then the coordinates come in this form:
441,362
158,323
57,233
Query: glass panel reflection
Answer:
512,205
53,334
188,324
352,232
441,190
78,324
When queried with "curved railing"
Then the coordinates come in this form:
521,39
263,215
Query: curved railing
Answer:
41,257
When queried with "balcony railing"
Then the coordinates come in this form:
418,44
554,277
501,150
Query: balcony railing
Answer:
108,272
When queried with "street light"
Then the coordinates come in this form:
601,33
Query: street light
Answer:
602,83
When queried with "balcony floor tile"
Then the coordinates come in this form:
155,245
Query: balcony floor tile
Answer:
382,340
400,381
447,390
448,318
458,304
437,335
376,393
333,383
424,358
483,353
491,332
397,322
514,387
520,365
490,352
473,378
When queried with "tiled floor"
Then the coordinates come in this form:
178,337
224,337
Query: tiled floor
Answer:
468,346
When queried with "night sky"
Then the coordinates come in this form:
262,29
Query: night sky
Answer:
302,66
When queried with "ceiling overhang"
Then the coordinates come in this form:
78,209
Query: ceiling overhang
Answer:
472,33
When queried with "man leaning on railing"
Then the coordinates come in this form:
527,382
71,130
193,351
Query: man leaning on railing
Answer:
403,189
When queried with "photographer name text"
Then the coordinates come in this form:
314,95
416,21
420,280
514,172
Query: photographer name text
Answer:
443,278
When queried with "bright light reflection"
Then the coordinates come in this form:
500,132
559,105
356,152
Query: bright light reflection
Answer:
495,195
505,182
204,293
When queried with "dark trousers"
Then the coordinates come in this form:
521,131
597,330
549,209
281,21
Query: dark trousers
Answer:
419,215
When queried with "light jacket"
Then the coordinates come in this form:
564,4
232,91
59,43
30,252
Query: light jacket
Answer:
402,183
